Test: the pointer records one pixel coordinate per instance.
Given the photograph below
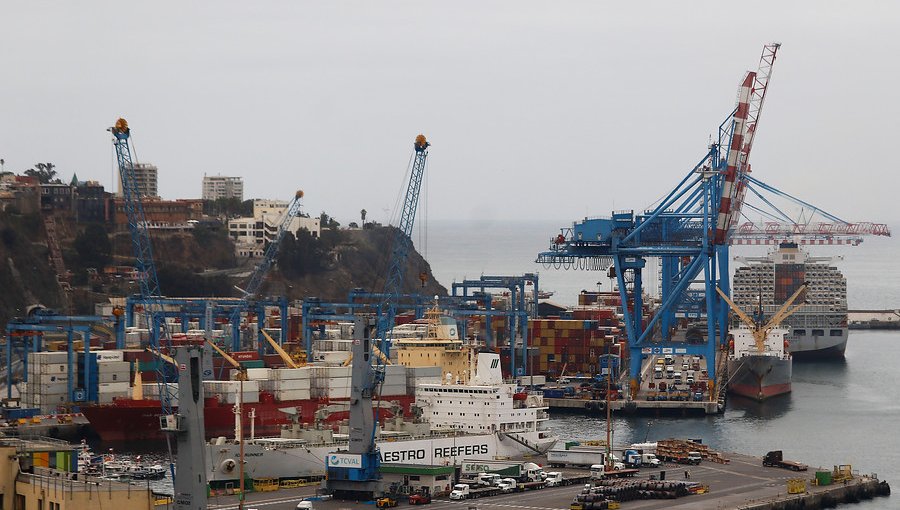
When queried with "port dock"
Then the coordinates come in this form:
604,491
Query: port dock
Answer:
741,484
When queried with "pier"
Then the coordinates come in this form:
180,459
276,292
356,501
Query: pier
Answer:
741,484
873,319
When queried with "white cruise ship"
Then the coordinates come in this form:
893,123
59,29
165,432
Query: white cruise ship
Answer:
485,419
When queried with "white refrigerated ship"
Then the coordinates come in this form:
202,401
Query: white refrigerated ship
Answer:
483,420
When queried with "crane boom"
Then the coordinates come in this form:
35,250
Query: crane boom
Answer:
259,276
281,352
394,281
143,254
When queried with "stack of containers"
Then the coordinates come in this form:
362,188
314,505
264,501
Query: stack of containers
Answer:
113,376
576,343
151,391
48,379
331,382
289,383
229,391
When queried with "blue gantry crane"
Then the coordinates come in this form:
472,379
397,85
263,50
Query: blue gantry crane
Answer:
688,231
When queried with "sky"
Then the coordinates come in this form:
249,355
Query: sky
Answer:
535,110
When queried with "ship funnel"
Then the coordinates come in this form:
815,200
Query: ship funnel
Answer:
487,372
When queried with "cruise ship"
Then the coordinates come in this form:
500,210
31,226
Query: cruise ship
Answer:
817,330
485,419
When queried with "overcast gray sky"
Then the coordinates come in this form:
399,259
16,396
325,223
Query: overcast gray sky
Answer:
535,109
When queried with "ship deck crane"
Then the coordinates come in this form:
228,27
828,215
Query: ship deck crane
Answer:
760,330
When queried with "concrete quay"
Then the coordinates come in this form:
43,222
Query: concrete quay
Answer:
742,484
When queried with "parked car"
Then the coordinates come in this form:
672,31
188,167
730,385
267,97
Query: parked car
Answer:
419,499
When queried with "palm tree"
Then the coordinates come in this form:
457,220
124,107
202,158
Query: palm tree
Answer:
363,214
44,172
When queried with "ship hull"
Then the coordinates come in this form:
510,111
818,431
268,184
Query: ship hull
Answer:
138,420
809,347
287,459
759,377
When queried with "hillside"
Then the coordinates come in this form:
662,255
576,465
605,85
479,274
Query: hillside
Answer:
25,273
196,263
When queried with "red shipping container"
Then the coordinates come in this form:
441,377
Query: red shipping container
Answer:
245,355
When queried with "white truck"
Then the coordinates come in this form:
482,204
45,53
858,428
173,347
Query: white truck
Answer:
508,485
554,479
648,459
464,491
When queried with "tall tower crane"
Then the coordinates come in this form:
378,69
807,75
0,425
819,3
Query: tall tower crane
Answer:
143,254
355,473
394,281
186,426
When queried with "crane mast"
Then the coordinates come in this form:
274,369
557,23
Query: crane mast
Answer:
259,276
187,424
143,254
394,280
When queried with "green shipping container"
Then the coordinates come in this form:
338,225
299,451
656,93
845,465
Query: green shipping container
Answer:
823,477
257,363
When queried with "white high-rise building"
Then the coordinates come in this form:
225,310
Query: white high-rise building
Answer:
146,176
220,186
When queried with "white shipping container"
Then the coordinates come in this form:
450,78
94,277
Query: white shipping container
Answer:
337,392
106,356
331,372
52,399
290,373
42,379
259,374
48,357
113,366
114,378
293,395
51,368
291,384
113,387
342,382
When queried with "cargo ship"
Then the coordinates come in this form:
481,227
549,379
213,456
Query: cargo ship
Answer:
484,419
759,370
270,391
818,330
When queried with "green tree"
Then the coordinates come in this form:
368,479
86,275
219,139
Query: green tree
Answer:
301,254
363,215
93,247
44,172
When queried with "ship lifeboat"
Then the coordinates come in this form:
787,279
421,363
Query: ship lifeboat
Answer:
520,396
